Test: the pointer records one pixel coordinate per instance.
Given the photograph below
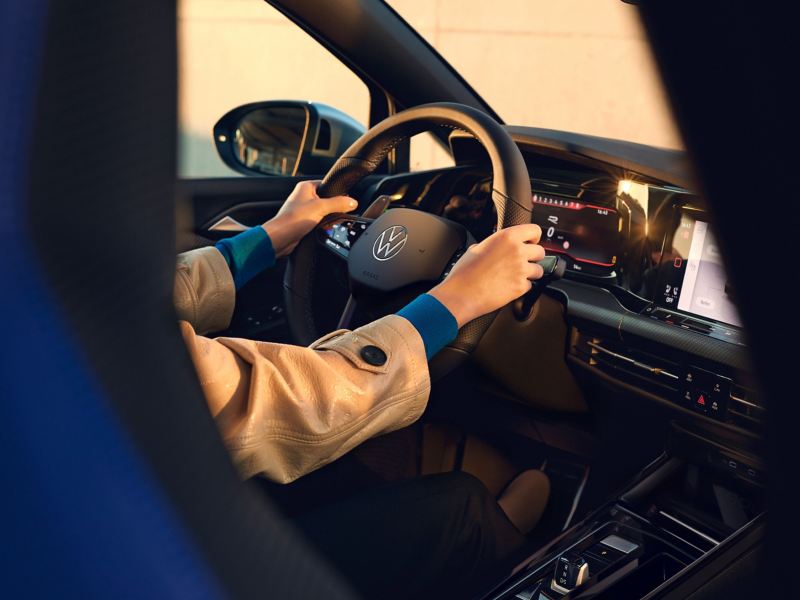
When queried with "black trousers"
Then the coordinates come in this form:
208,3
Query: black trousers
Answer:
431,537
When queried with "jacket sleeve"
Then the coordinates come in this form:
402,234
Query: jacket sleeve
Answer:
204,293
282,410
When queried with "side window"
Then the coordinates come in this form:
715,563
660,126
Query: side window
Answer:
232,52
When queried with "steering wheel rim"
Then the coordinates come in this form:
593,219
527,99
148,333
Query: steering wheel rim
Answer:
511,194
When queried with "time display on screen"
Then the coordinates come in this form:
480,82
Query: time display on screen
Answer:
586,233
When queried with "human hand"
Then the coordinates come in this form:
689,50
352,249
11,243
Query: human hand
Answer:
301,212
493,273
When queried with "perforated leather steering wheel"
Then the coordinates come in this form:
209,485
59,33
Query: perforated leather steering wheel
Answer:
404,246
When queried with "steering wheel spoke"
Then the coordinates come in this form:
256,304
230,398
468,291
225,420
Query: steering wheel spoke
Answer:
349,311
452,263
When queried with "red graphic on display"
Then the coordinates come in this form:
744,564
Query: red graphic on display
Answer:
553,246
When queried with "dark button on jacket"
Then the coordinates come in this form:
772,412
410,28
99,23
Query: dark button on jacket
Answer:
373,355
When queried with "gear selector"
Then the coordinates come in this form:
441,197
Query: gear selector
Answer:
571,571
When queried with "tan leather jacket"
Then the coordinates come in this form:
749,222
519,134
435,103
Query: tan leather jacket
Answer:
284,411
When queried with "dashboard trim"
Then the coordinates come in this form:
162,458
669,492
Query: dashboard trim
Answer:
661,400
597,306
661,165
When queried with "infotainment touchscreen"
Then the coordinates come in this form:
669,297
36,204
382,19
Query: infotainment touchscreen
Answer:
692,277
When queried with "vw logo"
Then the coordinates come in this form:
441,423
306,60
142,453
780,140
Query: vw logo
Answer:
390,242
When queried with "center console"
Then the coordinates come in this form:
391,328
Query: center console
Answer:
689,505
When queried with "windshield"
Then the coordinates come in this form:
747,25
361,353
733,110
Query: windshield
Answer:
574,65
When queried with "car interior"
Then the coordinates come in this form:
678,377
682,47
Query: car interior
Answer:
627,374
642,323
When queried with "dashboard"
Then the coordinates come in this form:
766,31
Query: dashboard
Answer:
646,293
653,241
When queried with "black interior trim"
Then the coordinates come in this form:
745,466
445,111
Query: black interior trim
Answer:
595,306
727,87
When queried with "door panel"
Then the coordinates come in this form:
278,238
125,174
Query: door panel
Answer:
250,201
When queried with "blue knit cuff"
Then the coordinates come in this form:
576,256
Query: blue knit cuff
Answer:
436,325
247,254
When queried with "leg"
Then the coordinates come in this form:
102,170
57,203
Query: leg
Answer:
332,483
408,539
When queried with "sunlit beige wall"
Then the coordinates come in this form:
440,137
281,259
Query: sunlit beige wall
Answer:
576,65
237,51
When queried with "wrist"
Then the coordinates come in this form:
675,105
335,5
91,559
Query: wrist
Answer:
457,303
279,234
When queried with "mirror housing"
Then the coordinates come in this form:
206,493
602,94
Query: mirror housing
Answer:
284,137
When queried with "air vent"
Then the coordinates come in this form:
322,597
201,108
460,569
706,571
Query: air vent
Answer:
745,407
639,368
673,381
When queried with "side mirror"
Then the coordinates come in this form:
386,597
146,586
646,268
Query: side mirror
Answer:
284,137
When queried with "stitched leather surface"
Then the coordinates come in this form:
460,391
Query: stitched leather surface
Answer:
297,284
508,167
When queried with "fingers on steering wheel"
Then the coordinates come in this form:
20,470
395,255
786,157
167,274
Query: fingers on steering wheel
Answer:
534,271
529,232
534,252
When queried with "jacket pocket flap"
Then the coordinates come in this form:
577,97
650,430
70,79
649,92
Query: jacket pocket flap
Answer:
351,345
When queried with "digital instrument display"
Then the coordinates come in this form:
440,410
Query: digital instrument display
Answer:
693,278
585,233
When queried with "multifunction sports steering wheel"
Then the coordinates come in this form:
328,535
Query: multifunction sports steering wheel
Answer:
403,246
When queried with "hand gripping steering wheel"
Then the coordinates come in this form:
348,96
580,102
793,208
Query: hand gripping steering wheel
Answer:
402,246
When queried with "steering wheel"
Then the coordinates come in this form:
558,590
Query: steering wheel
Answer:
402,246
